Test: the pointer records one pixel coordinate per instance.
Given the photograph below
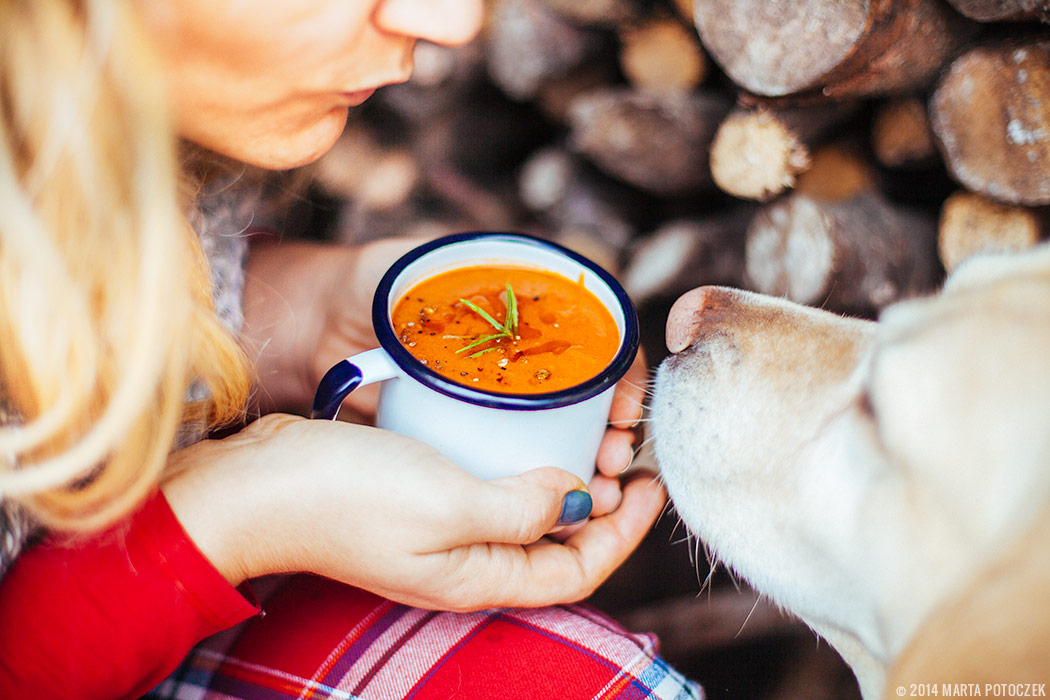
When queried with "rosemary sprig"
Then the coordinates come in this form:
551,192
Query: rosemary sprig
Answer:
507,329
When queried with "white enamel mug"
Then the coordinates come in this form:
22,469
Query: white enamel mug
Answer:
487,433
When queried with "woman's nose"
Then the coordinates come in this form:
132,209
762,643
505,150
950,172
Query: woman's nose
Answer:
446,22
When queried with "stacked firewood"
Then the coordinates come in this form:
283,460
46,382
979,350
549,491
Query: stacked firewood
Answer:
841,154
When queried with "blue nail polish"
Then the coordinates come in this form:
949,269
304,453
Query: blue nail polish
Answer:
575,507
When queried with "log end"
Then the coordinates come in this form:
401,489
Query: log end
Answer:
754,156
662,55
990,116
837,172
900,133
972,224
790,252
780,48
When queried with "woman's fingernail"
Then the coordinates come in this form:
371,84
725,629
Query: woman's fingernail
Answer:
630,460
575,507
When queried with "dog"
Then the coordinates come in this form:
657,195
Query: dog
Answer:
888,482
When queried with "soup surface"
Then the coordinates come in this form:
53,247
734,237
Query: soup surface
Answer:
563,335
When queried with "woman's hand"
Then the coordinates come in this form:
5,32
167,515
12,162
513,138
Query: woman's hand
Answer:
389,514
306,307
617,447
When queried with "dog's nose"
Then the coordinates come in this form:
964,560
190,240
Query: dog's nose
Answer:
689,312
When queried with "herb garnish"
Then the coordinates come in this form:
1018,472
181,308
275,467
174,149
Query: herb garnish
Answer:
507,329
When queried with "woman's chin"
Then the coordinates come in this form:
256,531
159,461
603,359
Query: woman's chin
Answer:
281,150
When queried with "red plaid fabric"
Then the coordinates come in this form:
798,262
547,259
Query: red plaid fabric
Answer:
319,639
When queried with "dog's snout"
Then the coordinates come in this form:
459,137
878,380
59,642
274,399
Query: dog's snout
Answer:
690,312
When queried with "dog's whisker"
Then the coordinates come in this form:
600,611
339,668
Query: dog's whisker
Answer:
705,584
658,476
666,509
758,599
707,558
645,387
694,559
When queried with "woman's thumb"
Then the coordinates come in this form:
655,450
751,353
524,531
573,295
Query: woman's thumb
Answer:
521,509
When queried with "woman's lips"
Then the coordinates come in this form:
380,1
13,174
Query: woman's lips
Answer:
357,97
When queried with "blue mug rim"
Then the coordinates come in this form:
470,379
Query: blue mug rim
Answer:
604,380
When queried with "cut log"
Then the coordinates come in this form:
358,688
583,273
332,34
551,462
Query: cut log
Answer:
758,152
990,115
852,256
663,55
486,137
355,225
572,199
658,143
901,135
972,224
359,168
837,171
857,48
1003,10
593,245
686,253
489,205
755,156
526,43
600,13
555,96
443,77
684,8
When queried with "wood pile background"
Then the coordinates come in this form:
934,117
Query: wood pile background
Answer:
844,154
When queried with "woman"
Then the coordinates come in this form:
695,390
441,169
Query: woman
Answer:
118,342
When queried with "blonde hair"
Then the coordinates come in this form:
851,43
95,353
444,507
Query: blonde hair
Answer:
105,304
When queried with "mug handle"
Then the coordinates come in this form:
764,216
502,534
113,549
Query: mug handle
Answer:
357,370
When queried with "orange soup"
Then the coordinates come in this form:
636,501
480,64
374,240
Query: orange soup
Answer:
511,330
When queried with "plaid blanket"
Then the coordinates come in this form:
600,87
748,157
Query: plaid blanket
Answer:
318,639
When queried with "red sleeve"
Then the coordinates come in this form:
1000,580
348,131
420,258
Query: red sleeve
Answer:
111,616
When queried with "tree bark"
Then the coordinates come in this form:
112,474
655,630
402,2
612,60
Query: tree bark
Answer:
658,143
686,253
859,48
684,8
990,115
555,96
527,43
1003,10
569,197
852,256
599,13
